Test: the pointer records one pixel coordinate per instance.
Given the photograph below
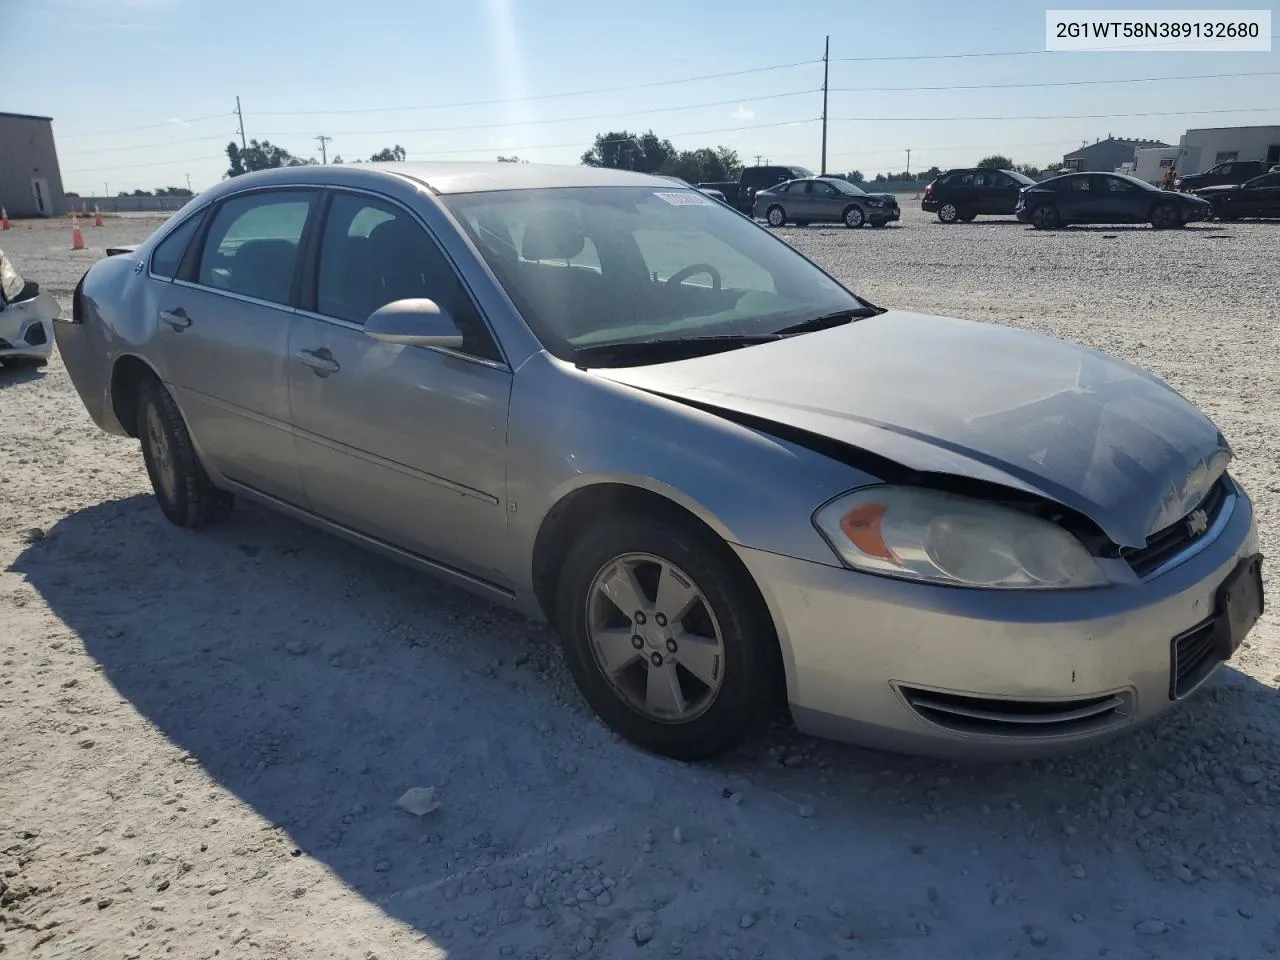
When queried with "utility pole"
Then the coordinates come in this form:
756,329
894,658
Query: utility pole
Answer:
240,114
324,156
826,65
757,159
188,183
908,161
106,190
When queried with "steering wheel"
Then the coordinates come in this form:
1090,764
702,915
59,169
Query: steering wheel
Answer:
682,275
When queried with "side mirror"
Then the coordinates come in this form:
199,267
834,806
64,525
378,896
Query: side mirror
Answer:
415,323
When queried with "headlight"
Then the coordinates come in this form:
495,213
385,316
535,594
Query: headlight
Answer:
920,534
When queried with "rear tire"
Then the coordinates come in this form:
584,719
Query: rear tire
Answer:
724,634
948,213
186,495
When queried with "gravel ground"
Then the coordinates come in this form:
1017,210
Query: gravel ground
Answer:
202,736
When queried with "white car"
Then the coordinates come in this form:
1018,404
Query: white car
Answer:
26,319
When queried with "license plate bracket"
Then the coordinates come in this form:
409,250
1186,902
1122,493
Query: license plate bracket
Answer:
1239,604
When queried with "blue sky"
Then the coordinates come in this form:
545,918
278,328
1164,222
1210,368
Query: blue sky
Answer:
143,91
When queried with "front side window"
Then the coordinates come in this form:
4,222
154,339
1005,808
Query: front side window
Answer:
373,252
253,244
168,254
820,188
1116,185
673,264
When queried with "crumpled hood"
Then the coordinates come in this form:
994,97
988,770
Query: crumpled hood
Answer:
886,197
988,402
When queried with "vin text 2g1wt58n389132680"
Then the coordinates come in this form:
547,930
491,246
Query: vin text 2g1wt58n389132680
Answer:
612,402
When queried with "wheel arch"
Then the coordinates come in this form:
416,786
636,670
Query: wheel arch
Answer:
607,498
849,206
128,372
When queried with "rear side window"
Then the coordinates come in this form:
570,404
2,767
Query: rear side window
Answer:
253,244
167,257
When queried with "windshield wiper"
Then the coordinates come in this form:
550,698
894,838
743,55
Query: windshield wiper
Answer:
837,319
672,346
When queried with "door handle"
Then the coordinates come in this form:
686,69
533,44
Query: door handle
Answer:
321,361
177,319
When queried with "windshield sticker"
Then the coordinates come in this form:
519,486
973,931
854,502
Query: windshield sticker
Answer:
686,198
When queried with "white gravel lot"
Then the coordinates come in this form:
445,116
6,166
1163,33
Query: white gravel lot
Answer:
202,735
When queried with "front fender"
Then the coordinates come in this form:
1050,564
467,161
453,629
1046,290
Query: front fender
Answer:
570,429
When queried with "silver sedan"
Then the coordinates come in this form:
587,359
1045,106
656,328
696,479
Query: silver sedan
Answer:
611,402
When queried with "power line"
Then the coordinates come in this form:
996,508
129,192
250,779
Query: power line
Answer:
150,146
1053,83
614,115
176,122
542,96
133,166
578,143
1063,116
1021,53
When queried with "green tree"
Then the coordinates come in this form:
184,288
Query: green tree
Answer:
511,159
856,176
624,150
262,155
337,158
996,162
387,154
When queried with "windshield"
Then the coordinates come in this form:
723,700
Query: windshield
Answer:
844,186
588,266
1022,178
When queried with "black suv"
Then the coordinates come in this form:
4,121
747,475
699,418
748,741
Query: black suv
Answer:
965,194
1229,171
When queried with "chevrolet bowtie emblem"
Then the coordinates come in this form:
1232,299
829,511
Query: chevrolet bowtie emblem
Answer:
1197,522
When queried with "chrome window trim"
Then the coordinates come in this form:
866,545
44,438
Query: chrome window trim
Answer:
231,294
358,328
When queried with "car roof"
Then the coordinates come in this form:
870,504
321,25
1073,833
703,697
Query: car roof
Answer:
450,177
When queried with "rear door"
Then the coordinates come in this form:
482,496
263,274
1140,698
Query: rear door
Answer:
1002,193
405,444
223,334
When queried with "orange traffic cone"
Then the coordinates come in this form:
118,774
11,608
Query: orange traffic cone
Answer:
4,219
77,238
97,216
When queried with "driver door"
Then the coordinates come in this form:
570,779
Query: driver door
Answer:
405,444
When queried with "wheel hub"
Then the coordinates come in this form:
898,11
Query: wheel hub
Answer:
655,638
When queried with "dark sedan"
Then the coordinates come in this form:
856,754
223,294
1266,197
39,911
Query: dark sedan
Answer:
1259,197
1106,198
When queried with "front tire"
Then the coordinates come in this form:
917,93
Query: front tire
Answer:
775,216
186,495
854,218
1045,217
665,636
1165,217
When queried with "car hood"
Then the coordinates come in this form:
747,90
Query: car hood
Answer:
976,400
886,197
1217,188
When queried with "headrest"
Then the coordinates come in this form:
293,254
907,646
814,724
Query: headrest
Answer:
552,238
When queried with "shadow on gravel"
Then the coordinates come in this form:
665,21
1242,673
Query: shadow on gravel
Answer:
317,683
14,376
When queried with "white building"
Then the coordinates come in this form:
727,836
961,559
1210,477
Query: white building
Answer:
1204,148
1149,164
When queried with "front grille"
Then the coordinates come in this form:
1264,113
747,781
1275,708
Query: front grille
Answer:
1195,656
1173,539
1030,719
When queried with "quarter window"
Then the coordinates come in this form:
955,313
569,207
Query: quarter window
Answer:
373,253
252,246
168,255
